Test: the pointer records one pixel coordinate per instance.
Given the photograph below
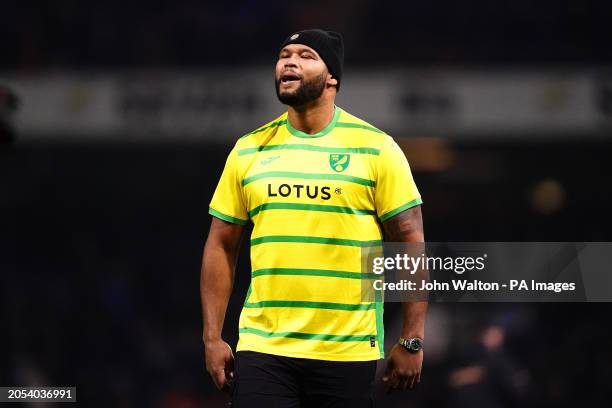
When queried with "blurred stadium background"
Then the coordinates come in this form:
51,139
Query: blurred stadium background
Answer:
116,118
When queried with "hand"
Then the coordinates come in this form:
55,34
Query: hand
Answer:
403,368
219,363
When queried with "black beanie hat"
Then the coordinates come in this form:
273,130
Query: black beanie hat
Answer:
328,44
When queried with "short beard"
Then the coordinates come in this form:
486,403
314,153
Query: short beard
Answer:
307,92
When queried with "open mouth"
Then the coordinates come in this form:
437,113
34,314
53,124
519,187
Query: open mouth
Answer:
289,77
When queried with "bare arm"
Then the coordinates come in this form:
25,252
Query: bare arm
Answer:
403,368
216,281
407,226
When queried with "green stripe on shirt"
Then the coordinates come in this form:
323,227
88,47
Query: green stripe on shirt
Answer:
309,207
399,209
225,217
313,272
311,305
271,125
358,126
312,176
314,240
306,336
299,146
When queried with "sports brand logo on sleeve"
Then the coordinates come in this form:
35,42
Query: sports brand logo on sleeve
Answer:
339,162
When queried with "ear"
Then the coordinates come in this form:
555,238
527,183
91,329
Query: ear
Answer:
332,81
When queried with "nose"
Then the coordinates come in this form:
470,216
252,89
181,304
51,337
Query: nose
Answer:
290,63
291,60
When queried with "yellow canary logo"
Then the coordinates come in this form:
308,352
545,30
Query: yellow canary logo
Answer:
339,162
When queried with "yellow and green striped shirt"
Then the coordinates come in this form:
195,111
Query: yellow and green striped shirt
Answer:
315,201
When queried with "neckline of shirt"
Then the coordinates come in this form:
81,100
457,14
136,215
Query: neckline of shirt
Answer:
322,132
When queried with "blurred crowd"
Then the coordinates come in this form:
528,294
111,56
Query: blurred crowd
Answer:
69,33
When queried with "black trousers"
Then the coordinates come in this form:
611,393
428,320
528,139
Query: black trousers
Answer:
265,380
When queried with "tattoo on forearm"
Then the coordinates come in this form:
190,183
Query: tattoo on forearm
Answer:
404,225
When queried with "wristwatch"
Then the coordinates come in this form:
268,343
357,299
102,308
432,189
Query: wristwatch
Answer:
412,345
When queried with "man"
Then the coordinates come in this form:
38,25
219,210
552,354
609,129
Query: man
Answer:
316,183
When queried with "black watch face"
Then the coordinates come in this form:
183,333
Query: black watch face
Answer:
416,345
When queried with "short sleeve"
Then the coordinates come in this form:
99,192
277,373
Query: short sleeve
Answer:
396,190
228,200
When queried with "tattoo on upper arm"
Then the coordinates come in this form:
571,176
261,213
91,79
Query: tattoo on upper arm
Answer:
404,226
